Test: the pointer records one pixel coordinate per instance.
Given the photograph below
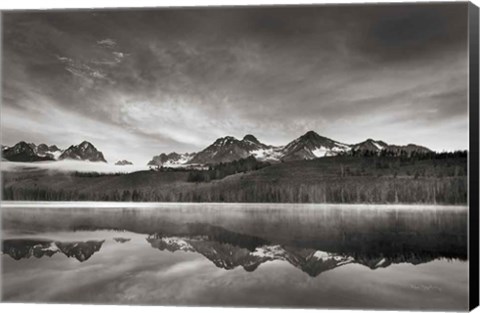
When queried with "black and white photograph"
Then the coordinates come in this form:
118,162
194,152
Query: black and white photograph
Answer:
268,156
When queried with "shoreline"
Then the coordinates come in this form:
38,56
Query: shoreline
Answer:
237,205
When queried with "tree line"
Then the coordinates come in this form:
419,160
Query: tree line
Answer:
221,170
387,190
436,178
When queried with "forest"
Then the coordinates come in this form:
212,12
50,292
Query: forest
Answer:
222,170
437,178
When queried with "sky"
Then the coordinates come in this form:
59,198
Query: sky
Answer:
137,83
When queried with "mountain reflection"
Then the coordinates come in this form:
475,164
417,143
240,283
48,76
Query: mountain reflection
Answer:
313,239
25,248
229,256
229,250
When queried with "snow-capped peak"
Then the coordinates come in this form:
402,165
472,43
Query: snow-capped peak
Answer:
310,146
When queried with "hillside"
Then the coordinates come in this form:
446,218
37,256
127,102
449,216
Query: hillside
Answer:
340,179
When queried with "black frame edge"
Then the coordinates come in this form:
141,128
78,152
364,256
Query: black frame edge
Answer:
473,40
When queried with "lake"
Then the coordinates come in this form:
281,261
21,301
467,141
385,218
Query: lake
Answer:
262,255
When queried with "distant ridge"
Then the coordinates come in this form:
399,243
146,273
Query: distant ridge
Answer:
306,147
30,152
223,150
123,162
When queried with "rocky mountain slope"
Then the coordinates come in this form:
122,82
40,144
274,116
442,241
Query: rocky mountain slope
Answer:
228,149
24,152
306,147
30,152
171,159
311,146
84,151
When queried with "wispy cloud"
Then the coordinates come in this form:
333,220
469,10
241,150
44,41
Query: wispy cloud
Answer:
107,42
179,79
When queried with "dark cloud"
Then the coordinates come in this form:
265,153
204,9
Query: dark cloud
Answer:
175,79
400,32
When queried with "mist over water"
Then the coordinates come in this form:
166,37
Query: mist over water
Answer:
405,257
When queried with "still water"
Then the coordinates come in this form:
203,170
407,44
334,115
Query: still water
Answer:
372,257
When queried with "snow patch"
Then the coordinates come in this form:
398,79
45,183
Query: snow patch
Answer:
272,154
381,262
319,152
180,242
56,154
326,256
184,158
378,146
52,247
269,252
321,255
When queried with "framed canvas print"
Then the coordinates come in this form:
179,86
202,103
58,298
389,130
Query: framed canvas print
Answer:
282,156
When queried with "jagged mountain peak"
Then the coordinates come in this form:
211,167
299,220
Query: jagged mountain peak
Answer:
84,151
310,146
228,149
231,252
170,159
376,141
25,152
45,150
311,134
25,147
25,248
370,145
251,138
85,145
54,148
227,140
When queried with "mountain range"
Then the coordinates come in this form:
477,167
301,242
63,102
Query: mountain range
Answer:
29,152
25,248
229,249
235,250
311,252
306,147
228,255
226,149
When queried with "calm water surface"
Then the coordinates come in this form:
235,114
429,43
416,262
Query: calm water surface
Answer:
373,257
